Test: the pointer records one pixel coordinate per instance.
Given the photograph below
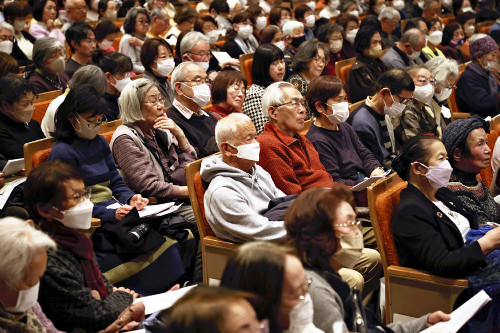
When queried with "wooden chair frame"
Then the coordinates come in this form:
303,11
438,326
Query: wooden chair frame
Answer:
215,251
248,76
343,63
356,105
427,292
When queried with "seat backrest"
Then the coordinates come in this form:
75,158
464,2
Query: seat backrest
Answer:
116,43
110,126
494,123
36,153
307,126
137,77
383,196
486,174
356,105
344,72
197,188
483,27
246,62
343,67
48,96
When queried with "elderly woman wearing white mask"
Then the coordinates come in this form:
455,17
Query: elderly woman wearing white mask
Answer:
445,72
23,261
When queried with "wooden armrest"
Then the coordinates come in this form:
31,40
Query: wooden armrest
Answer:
423,275
153,200
461,115
214,241
95,223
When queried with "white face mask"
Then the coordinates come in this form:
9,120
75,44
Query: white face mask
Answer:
85,131
280,44
212,36
201,94
6,46
112,15
19,25
395,109
260,23
421,4
165,67
245,31
439,174
249,151
414,55
105,44
350,252
436,37
354,13
283,22
399,4
202,64
336,45
301,315
380,8
340,113
448,3
312,5
424,93
334,4
79,216
26,299
24,115
58,65
310,21
351,35
469,30
121,84
468,9
444,94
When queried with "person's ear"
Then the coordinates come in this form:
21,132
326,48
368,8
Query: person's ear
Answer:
225,149
288,39
74,44
456,155
272,111
320,107
178,88
236,27
417,168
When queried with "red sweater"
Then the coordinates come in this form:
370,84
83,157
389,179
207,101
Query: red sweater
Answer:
292,162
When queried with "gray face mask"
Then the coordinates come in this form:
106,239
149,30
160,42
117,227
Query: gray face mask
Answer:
85,130
58,65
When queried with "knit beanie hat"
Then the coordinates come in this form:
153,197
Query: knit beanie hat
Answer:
458,131
482,46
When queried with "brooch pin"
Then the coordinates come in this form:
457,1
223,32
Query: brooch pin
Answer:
439,214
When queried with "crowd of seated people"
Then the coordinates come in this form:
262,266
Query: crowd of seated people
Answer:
253,88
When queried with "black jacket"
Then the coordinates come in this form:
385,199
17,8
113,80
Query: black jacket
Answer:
427,239
19,55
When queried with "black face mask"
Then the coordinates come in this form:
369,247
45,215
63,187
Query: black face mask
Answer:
296,41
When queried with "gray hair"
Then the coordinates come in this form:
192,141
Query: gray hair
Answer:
475,37
389,13
290,26
273,96
20,242
131,99
441,68
190,39
5,25
43,48
180,72
228,128
412,36
92,75
158,12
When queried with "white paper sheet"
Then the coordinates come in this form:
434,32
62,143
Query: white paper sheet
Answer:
368,181
152,210
6,190
13,166
162,301
461,315
445,112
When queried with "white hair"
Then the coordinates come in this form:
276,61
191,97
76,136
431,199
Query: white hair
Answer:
180,72
20,242
441,68
5,25
290,26
273,96
190,39
227,129
475,37
389,13
131,99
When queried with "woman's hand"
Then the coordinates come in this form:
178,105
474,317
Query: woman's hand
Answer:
377,172
233,62
166,123
128,320
134,41
2,179
138,202
437,317
122,211
129,291
490,241
50,24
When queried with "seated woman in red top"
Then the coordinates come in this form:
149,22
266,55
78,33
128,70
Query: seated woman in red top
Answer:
331,36
228,93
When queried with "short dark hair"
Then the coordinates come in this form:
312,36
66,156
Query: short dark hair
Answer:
306,52
102,6
309,223
414,149
13,87
112,62
81,99
105,28
222,82
431,22
263,57
326,30
8,65
321,89
413,23
275,14
448,32
76,32
396,80
198,24
301,10
254,12
44,185
149,50
129,22
363,38
184,14
345,18
371,21
13,10
464,17
268,33
37,8
220,6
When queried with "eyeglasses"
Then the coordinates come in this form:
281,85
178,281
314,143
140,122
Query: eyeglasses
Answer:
424,80
4,38
82,195
236,87
402,99
295,103
141,22
198,81
319,60
156,100
58,52
302,291
99,122
26,102
203,54
354,223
